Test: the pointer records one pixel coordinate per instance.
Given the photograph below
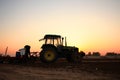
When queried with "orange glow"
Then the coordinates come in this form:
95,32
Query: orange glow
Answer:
91,26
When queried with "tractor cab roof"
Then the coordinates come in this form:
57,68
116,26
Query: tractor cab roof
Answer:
49,36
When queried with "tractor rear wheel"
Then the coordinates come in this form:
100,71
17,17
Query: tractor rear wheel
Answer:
48,55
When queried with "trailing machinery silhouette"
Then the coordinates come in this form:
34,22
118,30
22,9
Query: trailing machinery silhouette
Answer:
52,49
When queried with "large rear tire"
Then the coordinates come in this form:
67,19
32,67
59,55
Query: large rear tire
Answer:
48,55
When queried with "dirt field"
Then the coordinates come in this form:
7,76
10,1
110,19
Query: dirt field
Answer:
61,71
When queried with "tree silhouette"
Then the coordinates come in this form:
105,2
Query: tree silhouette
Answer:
96,54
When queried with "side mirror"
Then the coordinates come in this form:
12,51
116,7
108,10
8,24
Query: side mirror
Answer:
41,39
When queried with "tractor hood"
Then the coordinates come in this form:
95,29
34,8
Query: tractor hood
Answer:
71,48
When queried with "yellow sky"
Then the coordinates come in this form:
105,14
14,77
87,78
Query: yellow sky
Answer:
91,25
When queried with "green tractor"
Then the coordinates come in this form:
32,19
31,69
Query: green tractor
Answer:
54,49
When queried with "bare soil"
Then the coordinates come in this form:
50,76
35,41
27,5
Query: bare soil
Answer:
61,71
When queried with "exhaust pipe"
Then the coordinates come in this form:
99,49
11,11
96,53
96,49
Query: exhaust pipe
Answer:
65,41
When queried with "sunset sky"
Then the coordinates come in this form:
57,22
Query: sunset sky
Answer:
91,25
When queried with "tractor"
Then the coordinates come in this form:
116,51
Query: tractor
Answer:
53,48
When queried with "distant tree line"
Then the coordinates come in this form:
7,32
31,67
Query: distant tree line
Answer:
94,54
111,54
107,54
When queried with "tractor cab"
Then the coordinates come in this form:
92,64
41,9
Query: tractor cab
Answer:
55,40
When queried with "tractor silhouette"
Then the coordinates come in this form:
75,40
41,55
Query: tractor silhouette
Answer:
53,49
